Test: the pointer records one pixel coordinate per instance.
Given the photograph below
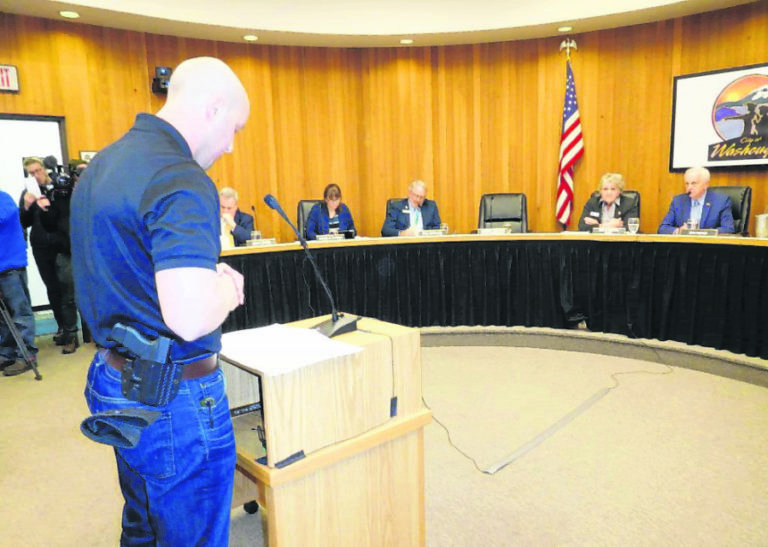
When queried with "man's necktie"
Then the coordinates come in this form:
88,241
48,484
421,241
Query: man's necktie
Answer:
696,211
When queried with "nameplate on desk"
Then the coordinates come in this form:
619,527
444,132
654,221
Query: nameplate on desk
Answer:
260,242
331,237
612,231
699,232
492,231
432,233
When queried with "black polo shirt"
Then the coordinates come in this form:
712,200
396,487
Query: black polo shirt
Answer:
143,205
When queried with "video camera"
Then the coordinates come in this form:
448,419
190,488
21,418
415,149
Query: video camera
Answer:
63,184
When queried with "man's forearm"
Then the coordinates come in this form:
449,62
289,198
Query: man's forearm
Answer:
195,301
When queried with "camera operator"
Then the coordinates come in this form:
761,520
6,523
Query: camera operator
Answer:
76,168
48,216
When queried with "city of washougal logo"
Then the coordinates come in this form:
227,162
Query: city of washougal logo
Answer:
740,117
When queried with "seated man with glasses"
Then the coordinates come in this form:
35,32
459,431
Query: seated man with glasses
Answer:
409,216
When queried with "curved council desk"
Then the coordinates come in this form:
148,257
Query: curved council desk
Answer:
698,290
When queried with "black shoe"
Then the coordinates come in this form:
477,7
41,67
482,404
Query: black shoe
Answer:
5,363
19,368
70,346
59,338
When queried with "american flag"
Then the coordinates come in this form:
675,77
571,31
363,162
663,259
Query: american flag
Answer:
571,149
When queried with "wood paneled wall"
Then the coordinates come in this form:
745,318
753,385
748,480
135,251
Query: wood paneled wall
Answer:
466,119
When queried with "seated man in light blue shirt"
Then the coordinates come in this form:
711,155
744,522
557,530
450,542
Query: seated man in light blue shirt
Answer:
706,209
413,214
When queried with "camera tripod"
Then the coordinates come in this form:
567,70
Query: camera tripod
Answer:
17,337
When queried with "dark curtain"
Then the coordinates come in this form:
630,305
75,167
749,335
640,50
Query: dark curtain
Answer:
697,293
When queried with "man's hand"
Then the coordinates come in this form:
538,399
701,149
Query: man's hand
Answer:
613,223
29,199
591,221
236,278
229,221
43,203
409,232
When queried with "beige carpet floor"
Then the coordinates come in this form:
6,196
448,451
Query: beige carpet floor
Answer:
662,459
676,458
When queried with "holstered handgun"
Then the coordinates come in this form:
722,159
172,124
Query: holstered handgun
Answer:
148,375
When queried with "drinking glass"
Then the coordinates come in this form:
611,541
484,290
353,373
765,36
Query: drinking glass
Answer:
633,225
255,234
692,224
444,228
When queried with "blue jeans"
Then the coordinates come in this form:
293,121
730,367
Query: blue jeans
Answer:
13,285
177,483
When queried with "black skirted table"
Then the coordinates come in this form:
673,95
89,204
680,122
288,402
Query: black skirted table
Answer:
699,290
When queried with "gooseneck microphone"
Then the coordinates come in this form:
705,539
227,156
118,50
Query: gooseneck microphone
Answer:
255,222
273,204
338,323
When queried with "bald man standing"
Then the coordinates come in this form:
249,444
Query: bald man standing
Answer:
145,242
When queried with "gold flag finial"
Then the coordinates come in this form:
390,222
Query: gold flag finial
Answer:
567,45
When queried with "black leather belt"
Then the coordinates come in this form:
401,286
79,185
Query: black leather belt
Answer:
195,369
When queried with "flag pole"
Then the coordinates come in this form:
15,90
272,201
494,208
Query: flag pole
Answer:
571,142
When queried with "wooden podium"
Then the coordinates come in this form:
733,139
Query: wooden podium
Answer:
349,473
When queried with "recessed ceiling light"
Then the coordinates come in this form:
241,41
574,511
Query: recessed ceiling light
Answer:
565,29
69,14
406,41
250,37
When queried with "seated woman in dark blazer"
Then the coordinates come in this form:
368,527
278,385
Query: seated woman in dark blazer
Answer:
607,210
332,214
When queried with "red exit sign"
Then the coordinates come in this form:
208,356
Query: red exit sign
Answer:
9,78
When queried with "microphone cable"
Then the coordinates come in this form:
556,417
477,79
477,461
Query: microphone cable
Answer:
568,417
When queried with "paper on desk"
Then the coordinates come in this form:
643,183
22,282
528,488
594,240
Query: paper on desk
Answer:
279,349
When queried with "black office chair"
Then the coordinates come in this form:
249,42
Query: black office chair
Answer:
302,214
741,203
390,203
496,210
626,194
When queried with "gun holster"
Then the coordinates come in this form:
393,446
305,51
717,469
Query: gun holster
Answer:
148,374
151,383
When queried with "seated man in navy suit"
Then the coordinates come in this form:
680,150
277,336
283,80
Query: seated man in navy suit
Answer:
706,209
407,217
233,220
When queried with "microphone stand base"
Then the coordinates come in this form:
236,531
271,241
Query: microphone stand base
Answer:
343,324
